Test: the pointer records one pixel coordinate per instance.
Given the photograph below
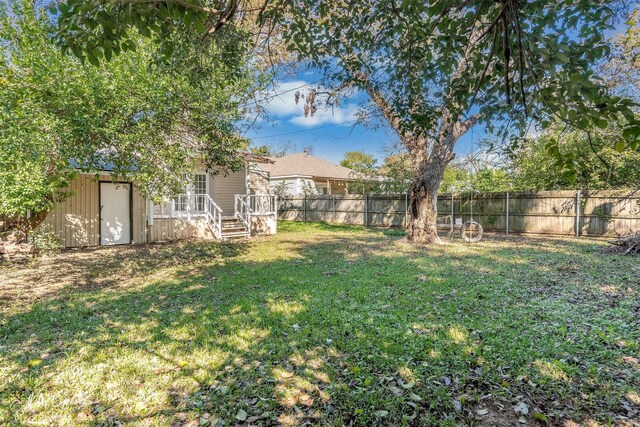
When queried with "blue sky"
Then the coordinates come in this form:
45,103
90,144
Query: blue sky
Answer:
332,131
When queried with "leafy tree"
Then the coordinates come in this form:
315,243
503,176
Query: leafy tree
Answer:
364,166
359,162
455,179
396,168
598,166
94,30
491,180
148,120
435,69
261,150
622,70
458,178
279,150
281,189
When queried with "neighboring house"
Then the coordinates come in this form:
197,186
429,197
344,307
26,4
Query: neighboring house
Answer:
101,211
302,173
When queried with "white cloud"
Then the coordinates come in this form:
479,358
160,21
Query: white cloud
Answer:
337,115
283,106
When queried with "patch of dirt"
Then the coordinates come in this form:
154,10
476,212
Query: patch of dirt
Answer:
87,269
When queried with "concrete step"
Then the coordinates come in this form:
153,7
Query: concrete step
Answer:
232,225
235,235
234,230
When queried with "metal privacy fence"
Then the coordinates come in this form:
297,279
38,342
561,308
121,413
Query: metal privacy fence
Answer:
581,213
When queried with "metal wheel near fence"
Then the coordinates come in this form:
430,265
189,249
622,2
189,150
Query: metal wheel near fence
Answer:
588,213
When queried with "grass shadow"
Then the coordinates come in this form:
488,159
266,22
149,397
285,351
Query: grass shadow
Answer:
326,324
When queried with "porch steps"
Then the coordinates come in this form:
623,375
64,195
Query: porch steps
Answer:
232,228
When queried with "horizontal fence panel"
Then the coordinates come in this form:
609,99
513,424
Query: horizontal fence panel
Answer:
291,215
317,204
351,218
542,224
349,205
381,219
601,213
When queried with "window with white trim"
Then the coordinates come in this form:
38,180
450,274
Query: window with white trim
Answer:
200,190
191,202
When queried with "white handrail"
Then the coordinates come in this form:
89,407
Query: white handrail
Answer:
262,204
242,210
214,216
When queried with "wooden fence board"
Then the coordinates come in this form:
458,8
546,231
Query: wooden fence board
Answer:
601,213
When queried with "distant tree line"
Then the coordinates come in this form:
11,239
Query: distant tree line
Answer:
527,167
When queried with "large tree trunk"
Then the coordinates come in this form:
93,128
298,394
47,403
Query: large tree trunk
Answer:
422,226
429,157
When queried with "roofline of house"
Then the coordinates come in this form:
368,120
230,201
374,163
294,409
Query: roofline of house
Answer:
312,177
291,176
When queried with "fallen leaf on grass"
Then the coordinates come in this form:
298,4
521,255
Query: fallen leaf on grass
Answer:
408,385
541,417
410,417
521,408
34,362
381,413
415,397
395,390
241,415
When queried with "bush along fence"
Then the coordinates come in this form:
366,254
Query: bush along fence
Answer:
579,213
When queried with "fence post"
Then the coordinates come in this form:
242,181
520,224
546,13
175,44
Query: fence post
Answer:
578,213
452,214
507,221
366,210
406,209
334,208
304,207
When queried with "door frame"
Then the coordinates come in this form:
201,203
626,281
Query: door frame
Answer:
130,210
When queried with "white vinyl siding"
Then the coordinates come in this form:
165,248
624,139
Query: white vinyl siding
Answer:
292,185
224,188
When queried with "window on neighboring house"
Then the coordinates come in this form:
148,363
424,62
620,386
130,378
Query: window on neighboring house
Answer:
322,188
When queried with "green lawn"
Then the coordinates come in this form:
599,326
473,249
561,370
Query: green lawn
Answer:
324,325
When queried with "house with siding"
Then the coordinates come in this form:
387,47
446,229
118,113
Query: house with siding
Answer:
303,173
103,211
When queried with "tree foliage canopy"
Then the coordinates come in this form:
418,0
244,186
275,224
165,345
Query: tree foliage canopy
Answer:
506,62
622,71
144,118
598,166
359,162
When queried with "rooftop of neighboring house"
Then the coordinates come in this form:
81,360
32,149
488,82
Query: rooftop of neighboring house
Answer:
307,165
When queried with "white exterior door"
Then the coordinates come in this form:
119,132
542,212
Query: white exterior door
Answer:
115,213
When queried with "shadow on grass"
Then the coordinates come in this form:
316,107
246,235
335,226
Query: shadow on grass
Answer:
348,326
